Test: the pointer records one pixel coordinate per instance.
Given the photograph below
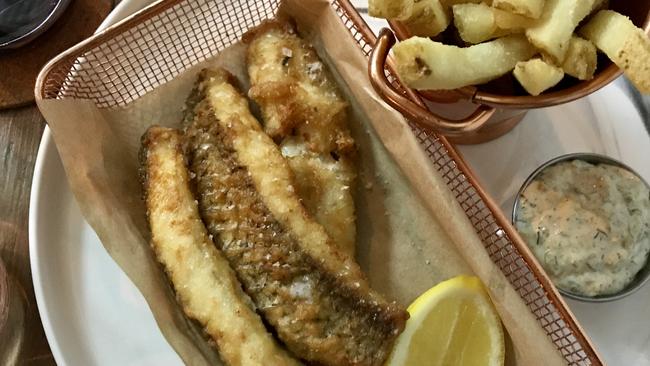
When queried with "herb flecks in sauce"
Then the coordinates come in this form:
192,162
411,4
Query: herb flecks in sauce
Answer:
588,225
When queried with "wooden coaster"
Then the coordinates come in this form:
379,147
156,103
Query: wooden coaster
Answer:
20,67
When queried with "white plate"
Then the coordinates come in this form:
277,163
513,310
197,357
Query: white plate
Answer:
94,315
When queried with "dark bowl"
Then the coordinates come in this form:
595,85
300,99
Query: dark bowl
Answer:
49,12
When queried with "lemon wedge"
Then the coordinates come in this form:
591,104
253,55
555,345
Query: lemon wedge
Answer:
452,324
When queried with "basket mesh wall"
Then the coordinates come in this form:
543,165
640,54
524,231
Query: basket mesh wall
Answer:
123,64
122,67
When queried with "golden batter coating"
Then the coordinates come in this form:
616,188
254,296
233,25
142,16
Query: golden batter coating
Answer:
310,291
205,285
305,113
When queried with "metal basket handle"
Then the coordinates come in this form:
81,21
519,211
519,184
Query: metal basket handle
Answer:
413,111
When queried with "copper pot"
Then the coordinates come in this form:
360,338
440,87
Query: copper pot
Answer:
494,111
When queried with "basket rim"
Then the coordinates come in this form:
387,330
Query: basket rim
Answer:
98,38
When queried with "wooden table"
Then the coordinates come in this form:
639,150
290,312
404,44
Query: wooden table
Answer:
20,134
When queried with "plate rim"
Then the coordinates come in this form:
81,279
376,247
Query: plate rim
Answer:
34,248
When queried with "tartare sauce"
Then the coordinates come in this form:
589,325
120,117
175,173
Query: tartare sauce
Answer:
588,225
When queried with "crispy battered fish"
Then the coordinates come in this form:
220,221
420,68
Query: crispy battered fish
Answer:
310,291
205,285
305,113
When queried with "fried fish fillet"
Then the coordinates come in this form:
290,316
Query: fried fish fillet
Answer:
310,291
205,285
305,113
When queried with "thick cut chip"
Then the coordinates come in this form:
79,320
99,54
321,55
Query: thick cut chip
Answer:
529,8
600,5
425,64
479,22
428,18
537,75
626,45
390,9
581,59
512,22
475,22
558,21
205,285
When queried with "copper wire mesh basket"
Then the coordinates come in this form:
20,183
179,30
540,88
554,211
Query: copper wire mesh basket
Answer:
148,49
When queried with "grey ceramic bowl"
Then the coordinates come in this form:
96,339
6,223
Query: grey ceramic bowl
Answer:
644,274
